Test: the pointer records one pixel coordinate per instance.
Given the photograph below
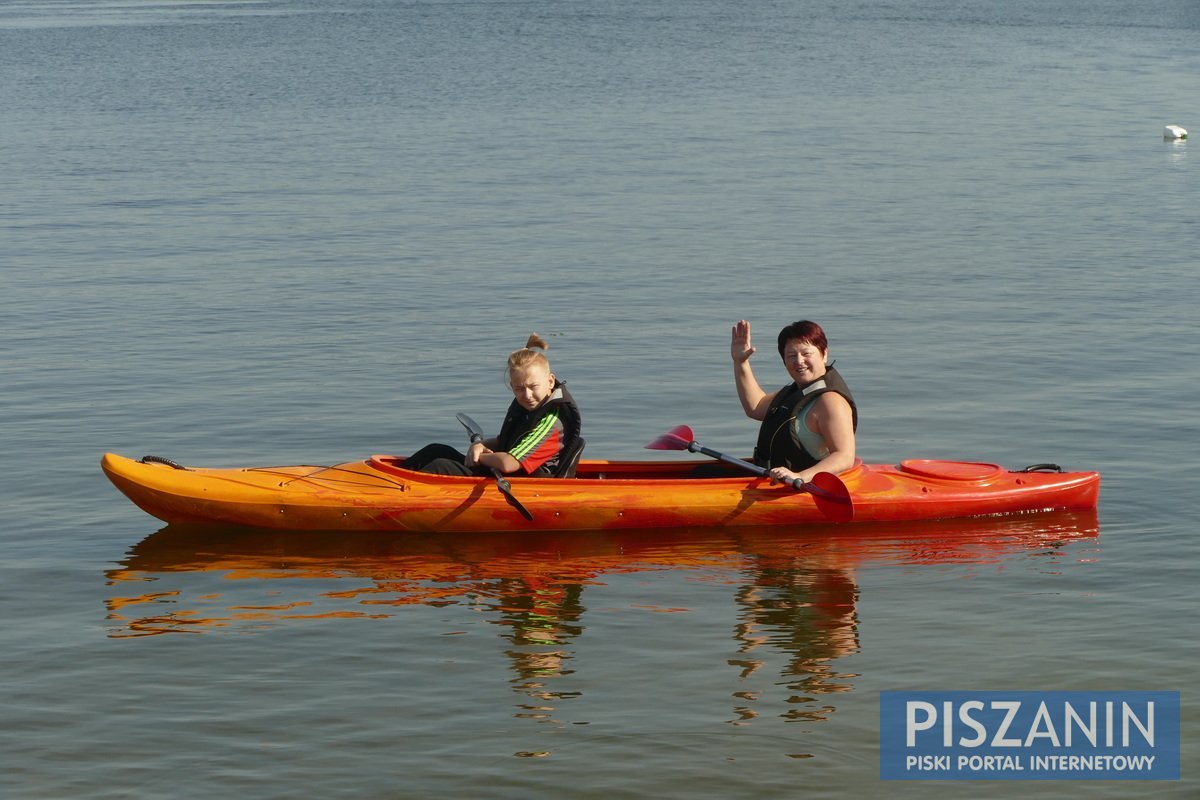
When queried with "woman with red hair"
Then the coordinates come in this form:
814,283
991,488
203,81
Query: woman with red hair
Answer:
808,425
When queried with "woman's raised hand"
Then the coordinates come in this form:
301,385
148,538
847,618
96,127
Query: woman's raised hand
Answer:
739,345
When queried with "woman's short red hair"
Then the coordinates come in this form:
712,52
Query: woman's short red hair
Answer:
803,331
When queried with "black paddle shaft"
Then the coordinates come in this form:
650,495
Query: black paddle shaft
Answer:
696,447
831,496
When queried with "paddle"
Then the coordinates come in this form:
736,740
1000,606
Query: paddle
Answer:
476,434
830,494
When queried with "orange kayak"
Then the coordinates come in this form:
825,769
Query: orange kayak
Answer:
378,494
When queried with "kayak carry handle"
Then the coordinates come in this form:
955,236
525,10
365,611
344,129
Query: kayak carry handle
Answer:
161,460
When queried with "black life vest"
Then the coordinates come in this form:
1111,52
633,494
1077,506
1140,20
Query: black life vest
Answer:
774,448
518,422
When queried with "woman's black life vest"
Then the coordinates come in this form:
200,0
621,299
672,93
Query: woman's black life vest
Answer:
518,422
777,443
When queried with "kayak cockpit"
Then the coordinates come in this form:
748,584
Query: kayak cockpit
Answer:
599,469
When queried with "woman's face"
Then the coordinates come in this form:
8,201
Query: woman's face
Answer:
531,385
804,361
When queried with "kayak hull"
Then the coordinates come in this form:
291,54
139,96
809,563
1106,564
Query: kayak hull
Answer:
378,494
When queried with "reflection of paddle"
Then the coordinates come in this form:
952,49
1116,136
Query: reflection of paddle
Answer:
502,483
831,495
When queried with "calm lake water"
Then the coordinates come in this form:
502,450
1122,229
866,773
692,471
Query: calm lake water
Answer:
304,231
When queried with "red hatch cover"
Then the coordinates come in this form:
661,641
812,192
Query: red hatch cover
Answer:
951,470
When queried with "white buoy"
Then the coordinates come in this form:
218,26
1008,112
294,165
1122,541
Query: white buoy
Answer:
1174,132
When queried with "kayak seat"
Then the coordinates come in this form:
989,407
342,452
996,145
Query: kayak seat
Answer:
569,460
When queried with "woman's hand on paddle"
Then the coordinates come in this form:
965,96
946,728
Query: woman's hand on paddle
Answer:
785,475
739,344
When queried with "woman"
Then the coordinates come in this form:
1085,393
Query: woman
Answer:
807,426
541,420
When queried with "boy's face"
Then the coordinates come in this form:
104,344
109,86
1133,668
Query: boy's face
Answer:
532,385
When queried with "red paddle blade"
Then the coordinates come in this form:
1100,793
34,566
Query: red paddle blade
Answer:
832,496
678,438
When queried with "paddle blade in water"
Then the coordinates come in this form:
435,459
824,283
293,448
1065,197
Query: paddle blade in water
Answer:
678,438
832,496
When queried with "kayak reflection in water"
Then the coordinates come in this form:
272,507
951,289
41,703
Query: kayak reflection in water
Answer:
542,614
541,424
803,607
807,426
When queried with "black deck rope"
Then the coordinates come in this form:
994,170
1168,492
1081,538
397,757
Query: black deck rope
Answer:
161,460
319,469
1042,468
